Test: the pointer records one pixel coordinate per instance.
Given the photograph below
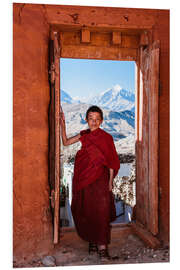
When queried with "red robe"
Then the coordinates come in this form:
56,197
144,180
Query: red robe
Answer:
92,203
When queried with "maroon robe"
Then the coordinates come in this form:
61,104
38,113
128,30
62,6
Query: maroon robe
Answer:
93,205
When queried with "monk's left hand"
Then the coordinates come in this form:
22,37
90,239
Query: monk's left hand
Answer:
110,185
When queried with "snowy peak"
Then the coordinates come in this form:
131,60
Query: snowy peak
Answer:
114,90
115,98
118,91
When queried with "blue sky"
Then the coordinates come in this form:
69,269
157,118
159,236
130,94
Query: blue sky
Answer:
83,77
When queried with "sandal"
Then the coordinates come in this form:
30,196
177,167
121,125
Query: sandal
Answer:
104,255
93,248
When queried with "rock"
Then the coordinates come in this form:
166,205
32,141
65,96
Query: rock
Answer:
49,261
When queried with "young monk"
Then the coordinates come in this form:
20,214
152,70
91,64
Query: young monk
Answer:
96,164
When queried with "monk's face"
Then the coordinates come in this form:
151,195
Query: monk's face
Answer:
94,120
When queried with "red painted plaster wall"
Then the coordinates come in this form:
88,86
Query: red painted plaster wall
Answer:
162,33
32,227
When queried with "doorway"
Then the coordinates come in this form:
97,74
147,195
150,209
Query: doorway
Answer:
111,86
127,46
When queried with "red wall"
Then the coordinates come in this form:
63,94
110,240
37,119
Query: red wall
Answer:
32,225
162,33
32,230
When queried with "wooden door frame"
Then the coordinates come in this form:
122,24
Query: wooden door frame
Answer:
54,128
148,233
132,54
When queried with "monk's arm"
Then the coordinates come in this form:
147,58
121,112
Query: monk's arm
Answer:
110,179
66,141
71,140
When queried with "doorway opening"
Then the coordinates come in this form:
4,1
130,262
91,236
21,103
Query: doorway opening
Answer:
133,46
110,85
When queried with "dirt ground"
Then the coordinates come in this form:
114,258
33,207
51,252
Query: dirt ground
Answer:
73,251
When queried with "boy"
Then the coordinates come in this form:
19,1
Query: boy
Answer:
96,164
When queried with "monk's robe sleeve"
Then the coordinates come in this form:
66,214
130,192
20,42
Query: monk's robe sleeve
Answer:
82,132
112,158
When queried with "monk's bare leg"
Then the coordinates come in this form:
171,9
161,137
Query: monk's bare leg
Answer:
101,247
103,253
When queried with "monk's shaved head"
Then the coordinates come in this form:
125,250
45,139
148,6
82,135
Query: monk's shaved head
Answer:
94,109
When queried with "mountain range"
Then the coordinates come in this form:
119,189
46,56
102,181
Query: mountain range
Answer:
118,124
115,99
117,105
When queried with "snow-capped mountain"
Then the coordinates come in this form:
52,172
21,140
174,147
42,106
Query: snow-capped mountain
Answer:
115,99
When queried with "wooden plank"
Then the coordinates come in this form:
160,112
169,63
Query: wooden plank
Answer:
106,17
147,143
142,177
145,235
139,183
97,29
140,213
153,142
51,112
145,136
57,137
93,52
119,227
137,84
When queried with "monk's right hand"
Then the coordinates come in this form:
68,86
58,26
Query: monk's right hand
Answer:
62,117
110,185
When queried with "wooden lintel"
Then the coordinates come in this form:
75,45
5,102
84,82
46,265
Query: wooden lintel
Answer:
144,39
145,235
85,36
116,37
95,52
99,39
